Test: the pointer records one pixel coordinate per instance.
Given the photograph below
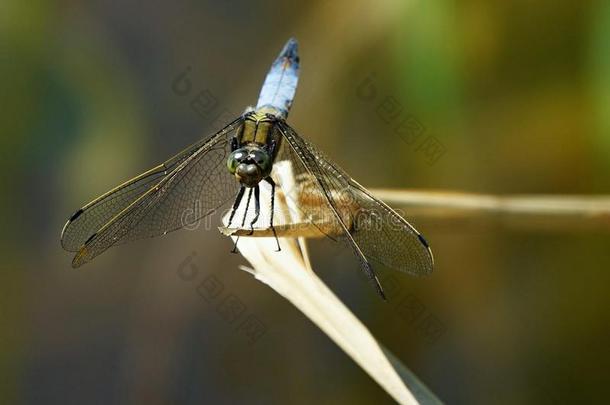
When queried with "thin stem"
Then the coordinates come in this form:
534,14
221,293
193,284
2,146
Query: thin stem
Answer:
470,203
527,212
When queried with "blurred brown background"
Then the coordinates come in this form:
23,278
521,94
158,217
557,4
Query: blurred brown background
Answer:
516,94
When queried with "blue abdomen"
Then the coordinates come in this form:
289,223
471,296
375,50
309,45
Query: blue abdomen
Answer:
281,81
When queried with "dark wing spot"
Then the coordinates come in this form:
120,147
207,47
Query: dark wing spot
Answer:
422,240
76,215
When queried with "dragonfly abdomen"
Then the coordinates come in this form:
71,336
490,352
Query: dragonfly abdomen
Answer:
280,84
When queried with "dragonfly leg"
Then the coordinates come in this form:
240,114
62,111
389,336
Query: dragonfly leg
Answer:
257,208
236,204
243,221
272,183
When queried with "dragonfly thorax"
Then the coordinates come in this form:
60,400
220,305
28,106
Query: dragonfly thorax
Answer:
250,164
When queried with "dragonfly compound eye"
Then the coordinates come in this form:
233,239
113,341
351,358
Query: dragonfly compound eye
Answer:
262,160
235,158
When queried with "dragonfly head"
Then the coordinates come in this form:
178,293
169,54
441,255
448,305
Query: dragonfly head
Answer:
250,165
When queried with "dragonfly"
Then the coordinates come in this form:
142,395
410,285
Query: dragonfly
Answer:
230,166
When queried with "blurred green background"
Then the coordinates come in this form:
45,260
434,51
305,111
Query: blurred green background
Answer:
517,93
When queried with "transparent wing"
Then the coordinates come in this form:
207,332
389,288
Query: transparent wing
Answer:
333,200
190,185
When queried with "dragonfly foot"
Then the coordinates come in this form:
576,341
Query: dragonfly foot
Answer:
277,241
234,250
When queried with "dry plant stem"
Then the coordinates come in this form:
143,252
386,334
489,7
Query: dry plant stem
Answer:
288,273
586,206
290,278
529,212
